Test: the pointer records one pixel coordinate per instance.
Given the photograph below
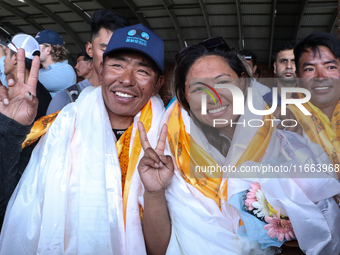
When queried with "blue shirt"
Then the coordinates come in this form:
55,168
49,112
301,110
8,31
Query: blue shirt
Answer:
268,98
57,77
2,71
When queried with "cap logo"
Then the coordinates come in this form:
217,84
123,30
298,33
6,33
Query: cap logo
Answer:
137,36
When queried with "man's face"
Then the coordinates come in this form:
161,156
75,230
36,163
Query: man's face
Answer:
97,47
129,79
320,73
45,50
284,67
83,68
10,62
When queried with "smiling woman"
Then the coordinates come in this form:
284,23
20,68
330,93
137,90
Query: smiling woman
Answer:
215,65
206,206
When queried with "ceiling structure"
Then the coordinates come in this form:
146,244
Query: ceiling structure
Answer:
257,25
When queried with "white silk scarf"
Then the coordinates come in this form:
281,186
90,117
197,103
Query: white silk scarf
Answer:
69,199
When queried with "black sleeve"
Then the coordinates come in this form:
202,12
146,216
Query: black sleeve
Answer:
12,134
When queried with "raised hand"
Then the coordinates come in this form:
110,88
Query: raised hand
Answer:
19,101
155,169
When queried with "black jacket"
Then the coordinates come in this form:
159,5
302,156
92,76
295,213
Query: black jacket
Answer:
13,160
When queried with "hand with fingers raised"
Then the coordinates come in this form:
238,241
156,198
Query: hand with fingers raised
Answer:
19,101
155,169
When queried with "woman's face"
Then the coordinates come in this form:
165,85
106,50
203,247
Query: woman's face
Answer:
212,70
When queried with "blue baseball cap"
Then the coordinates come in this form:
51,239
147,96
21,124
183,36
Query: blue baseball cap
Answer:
138,38
49,36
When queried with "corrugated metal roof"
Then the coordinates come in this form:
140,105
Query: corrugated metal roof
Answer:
313,20
219,1
222,20
222,9
255,20
255,9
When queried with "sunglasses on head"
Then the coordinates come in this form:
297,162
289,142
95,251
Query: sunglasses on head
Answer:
208,43
247,57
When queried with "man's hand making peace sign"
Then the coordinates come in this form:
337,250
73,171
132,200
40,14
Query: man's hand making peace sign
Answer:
19,101
156,171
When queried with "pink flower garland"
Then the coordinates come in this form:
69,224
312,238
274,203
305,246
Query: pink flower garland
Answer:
279,228
251,195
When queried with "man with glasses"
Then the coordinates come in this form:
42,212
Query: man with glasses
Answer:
56,73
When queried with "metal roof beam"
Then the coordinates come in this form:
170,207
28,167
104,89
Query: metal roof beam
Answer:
63,25
334,21
302,11
3,33
206,18
104,3
175,22
240,29
23,15
76,9
272,19
139,15
11,28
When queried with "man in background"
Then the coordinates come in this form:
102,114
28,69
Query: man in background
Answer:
284,68
318,69
251,58
56,73
103,24
3,47
84,66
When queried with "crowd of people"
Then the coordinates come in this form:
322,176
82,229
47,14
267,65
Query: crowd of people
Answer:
93,162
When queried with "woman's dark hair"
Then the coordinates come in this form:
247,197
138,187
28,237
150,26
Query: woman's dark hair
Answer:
237,64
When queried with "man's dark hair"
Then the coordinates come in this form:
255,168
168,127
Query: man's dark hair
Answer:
313,41
286,46
249,53
107,19
85,55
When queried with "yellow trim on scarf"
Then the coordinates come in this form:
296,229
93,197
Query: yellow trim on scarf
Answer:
39,128
123,148
146,119
209,183
320,129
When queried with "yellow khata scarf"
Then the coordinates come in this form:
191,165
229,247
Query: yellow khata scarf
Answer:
209,183
127,164
123,148
39,128
320,129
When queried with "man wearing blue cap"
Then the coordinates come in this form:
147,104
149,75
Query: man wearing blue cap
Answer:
81,192
103,24
56,73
